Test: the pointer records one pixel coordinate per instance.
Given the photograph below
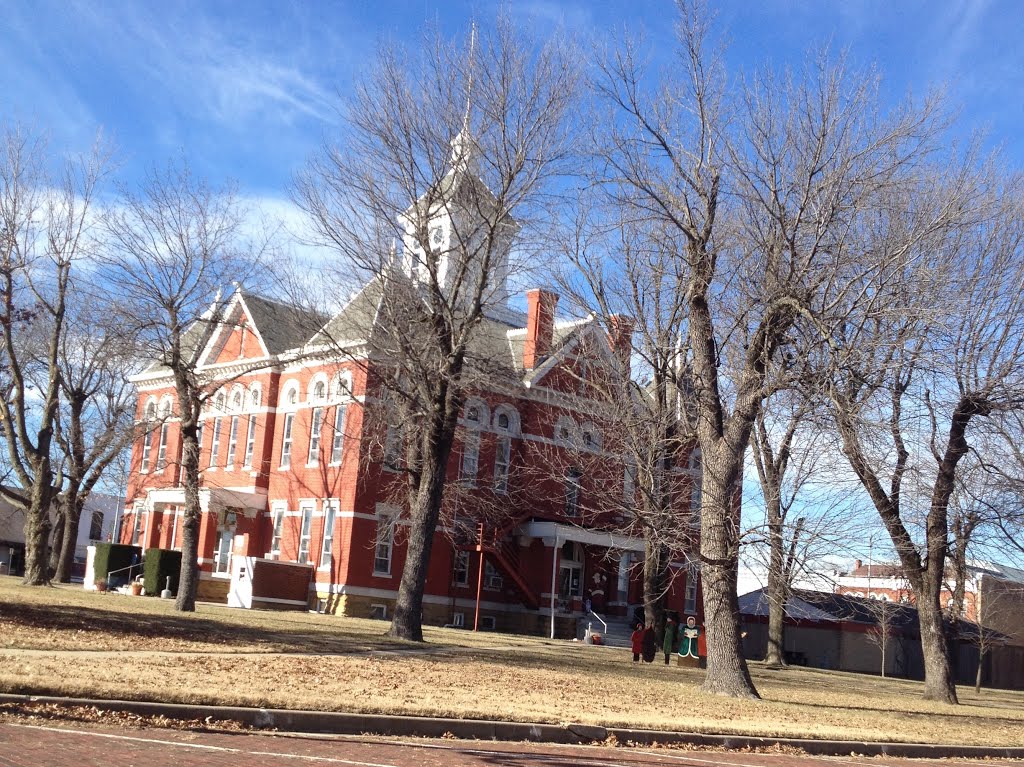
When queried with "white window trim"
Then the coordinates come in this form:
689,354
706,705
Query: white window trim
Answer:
338,434
250,441
388,519
305,533
287,438
331,508
316,430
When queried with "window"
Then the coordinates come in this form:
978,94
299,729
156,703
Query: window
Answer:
503,421
222,556
215,445
691,593
304,533
161,452
492,578
327,547
199,438
147,445
232,440
572,492
254,398
393,448
591,438
343,385
379,612
338,435
502,460
458,620
470,457
291,397
314,434
275,541
151,411
286,441
137,527
629,485
385,539
236,400
319,392
96,526
488,623
461,574
250,441
219,402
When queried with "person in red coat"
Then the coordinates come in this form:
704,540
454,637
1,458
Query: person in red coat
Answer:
637,640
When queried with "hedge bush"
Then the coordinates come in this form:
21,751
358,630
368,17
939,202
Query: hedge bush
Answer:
161,563
111,557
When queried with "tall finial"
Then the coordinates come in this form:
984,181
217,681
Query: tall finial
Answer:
469,85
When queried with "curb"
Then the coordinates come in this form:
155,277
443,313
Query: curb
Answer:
334,723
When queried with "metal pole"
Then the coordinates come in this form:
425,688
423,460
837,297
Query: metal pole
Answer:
554,576
479,577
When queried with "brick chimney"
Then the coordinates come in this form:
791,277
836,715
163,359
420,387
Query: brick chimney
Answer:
540,326
620,338
856,564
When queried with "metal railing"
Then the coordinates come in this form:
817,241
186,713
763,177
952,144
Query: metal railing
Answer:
121,570
603,621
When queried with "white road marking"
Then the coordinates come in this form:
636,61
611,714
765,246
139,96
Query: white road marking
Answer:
204,747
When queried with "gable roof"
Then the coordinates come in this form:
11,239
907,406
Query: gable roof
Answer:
281,326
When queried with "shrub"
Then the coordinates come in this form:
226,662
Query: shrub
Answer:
111,557
161,563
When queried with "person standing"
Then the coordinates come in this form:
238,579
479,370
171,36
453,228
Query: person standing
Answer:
637,641
649,644
668,644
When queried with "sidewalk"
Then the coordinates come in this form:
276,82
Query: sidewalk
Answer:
320,722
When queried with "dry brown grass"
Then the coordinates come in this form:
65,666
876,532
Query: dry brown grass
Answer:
257,658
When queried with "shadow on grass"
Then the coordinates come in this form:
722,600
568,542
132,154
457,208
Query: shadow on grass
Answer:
189,627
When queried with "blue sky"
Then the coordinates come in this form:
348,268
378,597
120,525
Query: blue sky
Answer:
248,90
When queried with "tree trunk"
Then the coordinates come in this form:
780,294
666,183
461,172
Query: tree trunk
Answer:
727,672
654,586
775,654
407,622
37,528
938,678
71,514
977,675
188,582
57,539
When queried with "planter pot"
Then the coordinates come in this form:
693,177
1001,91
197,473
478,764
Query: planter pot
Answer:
136,589
101,585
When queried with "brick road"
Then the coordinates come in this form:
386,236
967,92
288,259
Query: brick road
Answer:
44,745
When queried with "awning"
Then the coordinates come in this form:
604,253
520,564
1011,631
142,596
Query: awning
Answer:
213,499
551,532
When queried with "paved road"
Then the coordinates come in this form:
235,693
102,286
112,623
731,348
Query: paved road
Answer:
56,745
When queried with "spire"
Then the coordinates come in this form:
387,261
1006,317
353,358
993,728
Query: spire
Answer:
462,144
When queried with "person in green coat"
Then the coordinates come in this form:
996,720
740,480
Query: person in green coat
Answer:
669,642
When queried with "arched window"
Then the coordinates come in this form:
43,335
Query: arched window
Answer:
506,424
151,410
254,397
342,388
236,400
591,437
219,401
290,397
565,431
319,391
165,407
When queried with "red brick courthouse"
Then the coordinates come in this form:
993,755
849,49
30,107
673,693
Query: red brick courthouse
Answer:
294,469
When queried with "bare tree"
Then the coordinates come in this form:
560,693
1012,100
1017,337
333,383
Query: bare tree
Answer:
45,231
94,423
172,248
937,376
766,193
449,149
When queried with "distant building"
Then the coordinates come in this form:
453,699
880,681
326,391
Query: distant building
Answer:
993,593
97,524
